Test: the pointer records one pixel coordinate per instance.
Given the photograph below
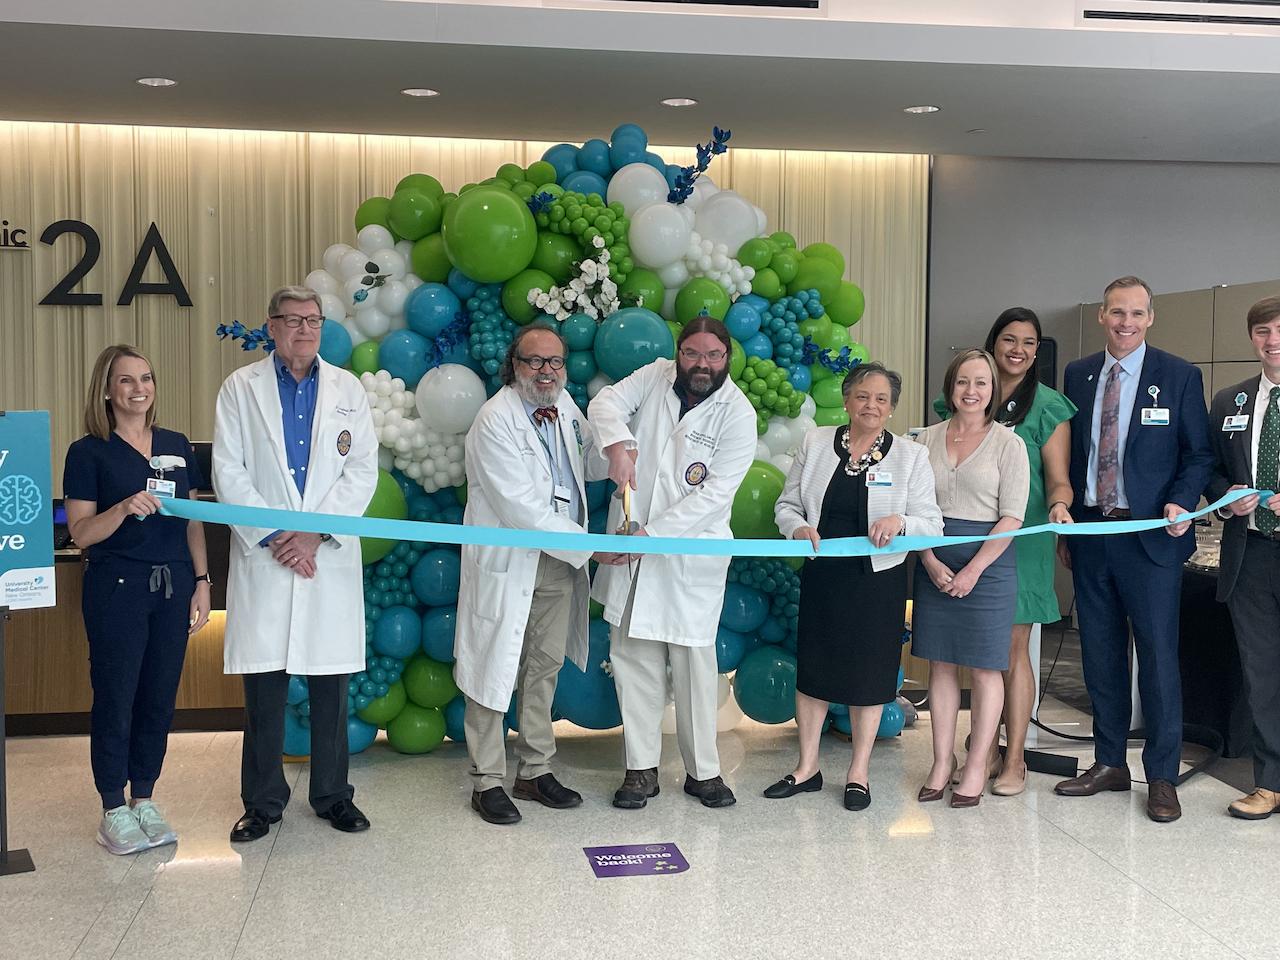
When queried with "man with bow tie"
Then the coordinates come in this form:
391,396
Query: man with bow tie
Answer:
521,610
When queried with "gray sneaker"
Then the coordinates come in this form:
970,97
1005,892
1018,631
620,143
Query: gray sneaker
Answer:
153,824
119,832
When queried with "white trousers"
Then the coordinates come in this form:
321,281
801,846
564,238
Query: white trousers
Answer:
640,674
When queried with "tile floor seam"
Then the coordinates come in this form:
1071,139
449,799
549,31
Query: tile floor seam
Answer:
133,860
132,920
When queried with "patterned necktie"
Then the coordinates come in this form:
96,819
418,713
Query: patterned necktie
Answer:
1268,465
1109,443
545,415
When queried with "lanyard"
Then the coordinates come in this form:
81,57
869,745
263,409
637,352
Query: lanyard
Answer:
557,469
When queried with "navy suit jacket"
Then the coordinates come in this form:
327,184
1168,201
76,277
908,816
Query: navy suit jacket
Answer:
1162,464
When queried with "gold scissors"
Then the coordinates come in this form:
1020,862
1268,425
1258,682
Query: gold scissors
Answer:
628,527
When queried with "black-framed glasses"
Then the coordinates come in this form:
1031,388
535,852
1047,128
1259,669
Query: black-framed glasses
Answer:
293,321
537,363
712,356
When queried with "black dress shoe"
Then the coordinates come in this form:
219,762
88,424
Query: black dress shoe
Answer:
494,806
857,796
345,816
713,792
548,791
254,825
787,787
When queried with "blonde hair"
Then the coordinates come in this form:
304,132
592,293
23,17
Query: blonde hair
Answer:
99,417
953,371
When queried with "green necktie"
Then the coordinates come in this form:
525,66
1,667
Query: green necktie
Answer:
1268,465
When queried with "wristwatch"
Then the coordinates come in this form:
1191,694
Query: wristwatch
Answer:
205,577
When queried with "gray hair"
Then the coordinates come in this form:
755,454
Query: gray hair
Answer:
864,370
295,292
507,372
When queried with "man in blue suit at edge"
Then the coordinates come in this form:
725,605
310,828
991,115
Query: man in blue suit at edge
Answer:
1139,449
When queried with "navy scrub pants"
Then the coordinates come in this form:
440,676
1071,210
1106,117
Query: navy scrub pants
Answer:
136,616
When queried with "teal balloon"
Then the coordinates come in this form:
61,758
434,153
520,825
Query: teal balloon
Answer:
744,609
435,577
578,331
892,720
398,632
297,736
580,366
765,685
335,343
630,339
489,234
454,712
731,647
589,698
360,735
438,627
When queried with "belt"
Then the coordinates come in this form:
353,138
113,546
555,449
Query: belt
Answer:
1118,513
1273,537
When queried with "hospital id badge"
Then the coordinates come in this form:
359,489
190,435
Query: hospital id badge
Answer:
1238,422
561,496
879,478
162,489
1155,416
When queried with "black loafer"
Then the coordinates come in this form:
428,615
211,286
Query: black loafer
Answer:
345,816
494,806
713,792
856,796
548,791
254,825
787,787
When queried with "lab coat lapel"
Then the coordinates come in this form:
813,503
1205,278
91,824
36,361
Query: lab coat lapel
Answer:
266,393
320,463
525,424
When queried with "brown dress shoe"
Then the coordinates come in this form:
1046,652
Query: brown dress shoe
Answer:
1162,802
1096,779
1256,806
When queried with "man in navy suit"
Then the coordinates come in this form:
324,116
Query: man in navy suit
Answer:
1139,449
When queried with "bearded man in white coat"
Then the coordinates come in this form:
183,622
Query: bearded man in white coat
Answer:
521,609
293,432
682,436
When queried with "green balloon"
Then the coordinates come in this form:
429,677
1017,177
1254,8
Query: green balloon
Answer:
785,263
837,337
424,182
859,352
465,187
489,234
755,254
827,392
701,294
540,173
524,189
413,214
846,307
751,516
737,359
510,172
555,254
515,294
783,239
818,274
825,251
384,709
428,683
388,503
830,416
595,610
816,328
364,358
447,199
643,288
416,730
373,210
429,260
818,373
766,284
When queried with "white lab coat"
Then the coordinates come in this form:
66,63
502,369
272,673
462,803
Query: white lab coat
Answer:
277,620
687,472
509,484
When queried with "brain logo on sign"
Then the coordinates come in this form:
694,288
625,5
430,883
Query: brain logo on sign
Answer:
20,499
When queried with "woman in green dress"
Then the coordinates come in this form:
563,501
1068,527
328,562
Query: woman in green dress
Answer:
1041,416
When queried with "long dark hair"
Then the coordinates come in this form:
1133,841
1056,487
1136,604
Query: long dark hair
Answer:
1014,410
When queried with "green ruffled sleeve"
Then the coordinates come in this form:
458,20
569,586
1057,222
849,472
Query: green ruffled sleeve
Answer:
1052,408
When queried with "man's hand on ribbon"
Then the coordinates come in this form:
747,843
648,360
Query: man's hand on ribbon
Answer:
1171,512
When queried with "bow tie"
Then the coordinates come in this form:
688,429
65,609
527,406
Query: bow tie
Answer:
544,414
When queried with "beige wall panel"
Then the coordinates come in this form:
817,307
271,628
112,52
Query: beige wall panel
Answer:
1230,307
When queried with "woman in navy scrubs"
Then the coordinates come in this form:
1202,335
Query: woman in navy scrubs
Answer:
146,587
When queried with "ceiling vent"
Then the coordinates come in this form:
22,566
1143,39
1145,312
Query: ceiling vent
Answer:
1191,16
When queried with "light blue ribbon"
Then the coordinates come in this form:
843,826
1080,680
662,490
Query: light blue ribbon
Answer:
423,532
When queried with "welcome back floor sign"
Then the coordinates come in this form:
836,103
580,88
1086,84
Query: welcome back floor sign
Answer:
26,511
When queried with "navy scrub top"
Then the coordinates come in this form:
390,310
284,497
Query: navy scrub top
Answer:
108,471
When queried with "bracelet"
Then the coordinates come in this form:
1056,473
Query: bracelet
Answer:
205,578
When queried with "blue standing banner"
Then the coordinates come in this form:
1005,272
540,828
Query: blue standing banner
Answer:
26,511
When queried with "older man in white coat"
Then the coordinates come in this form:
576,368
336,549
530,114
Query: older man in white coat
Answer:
682,435
294,433
519,609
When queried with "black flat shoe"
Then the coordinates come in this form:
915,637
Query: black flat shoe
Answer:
857,796
254,825
345,816
494,806
787,787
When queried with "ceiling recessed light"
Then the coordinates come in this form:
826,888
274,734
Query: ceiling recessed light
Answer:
157,82
921,108
679,102
420,92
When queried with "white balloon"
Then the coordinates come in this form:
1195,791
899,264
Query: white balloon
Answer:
688,213
333,255
719,261
809,407
782,461
390,263
727,218
373,238
597,383
374,324
386,459
354,286
637,185
412,281
357,336
762,451
729,714
333,306
674,275
777,436
668,310
703,189
449,397
404,248
322,282
799,427
659,235
391,297
353,264
762,222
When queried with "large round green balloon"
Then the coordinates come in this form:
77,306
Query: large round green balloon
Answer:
373,210
540,173
424,182
816,328
489,234
364,358
631,338
555,254
825,251
413,214
847,305
428,259
785,263
826,393
515,294
836,337
859,352
751,517
388,503
755,253
830,416
511,172
737,359
783,239
416,729
642,288
429,683
766,284
818,274
384,709
818,373
765,684
698,295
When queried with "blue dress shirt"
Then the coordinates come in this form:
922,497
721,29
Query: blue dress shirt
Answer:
557,459
1130,375
298,411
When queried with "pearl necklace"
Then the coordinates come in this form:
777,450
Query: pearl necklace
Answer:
851,467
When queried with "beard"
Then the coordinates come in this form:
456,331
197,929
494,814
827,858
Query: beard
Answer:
701,381
536,389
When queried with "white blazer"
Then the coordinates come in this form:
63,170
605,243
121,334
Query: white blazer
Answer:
910,494
687,472
277,620
509,484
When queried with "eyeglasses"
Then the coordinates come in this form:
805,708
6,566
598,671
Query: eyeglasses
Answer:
537,363
712,356
293,321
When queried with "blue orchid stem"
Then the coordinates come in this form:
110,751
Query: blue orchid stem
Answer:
688,176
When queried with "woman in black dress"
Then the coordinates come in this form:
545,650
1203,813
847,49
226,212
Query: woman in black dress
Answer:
854,481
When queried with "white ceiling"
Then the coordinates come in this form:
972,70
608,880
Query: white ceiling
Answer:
529,72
